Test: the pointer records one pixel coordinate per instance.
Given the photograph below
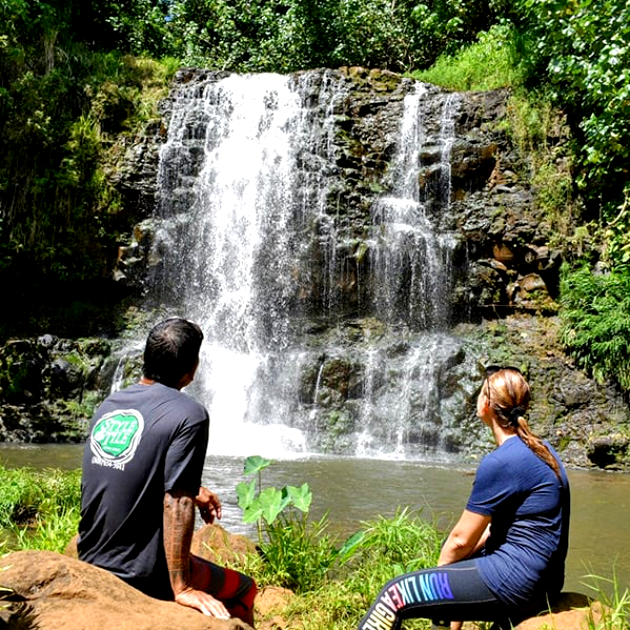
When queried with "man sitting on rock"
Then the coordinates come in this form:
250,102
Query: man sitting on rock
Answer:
142,479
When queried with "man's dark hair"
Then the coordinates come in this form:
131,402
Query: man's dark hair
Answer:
171,351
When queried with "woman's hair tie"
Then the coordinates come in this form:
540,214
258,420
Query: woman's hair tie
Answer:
515,414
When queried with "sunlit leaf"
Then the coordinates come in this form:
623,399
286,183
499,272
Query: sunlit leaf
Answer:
255,464
246,493
301,497
272,502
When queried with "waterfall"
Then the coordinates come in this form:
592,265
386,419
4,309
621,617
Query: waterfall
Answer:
412,261
316,339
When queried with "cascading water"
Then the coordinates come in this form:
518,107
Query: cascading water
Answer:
254,247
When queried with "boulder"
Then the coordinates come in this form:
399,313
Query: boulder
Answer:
216,544
211,542
271,602
50,591
570,611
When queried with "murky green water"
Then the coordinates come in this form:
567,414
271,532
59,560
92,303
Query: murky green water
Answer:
354,490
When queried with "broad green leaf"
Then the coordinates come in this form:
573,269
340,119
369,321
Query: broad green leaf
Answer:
253,513
301,497
272,502
246,493
255,464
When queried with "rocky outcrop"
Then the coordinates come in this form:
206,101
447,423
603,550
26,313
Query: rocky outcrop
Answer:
503,260
49,387
53,592
357,330
569,611
581,418
49,591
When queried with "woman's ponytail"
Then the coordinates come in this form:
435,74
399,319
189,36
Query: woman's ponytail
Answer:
509,398
536,445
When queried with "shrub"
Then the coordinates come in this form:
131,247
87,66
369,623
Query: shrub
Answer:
596,317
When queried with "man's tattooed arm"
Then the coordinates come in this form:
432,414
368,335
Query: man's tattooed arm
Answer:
179,522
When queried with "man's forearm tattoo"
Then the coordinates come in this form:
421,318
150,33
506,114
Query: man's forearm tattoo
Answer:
179,517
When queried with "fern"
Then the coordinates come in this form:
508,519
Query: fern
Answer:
596,323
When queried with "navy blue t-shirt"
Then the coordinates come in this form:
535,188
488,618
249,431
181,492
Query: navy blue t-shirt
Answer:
524,556
143,441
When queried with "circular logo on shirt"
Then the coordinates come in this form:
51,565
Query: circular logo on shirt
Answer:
116,435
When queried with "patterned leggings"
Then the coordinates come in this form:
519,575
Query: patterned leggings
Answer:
453,592
236,590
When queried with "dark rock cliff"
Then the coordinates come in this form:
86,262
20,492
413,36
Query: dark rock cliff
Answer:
502,286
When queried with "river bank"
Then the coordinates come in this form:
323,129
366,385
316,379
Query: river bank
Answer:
352,491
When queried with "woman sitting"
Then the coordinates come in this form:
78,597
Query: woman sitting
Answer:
505,556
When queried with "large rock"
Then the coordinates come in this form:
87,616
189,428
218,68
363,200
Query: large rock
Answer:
570,611
216,544
57,592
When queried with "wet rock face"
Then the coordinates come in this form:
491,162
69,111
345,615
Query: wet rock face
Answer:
348,313
49,388
475,194
490,211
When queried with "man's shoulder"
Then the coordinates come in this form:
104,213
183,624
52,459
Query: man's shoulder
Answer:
148,398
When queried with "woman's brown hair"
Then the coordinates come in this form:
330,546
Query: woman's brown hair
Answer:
508,395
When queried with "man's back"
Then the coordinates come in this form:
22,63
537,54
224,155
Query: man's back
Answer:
144,441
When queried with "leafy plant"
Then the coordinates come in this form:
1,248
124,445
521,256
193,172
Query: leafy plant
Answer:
596,317
486,64
295,552
382,549
582,49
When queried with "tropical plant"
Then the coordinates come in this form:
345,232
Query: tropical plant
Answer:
582,49
596,318
295,552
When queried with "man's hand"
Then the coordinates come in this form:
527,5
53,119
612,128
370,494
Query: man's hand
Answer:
208,504
203,602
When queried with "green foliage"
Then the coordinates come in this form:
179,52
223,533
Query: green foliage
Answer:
616,237
382,549
296,553
64,111
596,317
301,555
39,509
615,603
391,546
285,35
582,47
487,64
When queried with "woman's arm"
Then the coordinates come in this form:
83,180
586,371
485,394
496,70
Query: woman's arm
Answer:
468,536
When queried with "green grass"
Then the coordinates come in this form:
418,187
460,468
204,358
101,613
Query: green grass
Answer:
485,65
39,509
615,603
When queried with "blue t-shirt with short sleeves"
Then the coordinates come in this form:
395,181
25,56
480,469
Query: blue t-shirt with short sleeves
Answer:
524,556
